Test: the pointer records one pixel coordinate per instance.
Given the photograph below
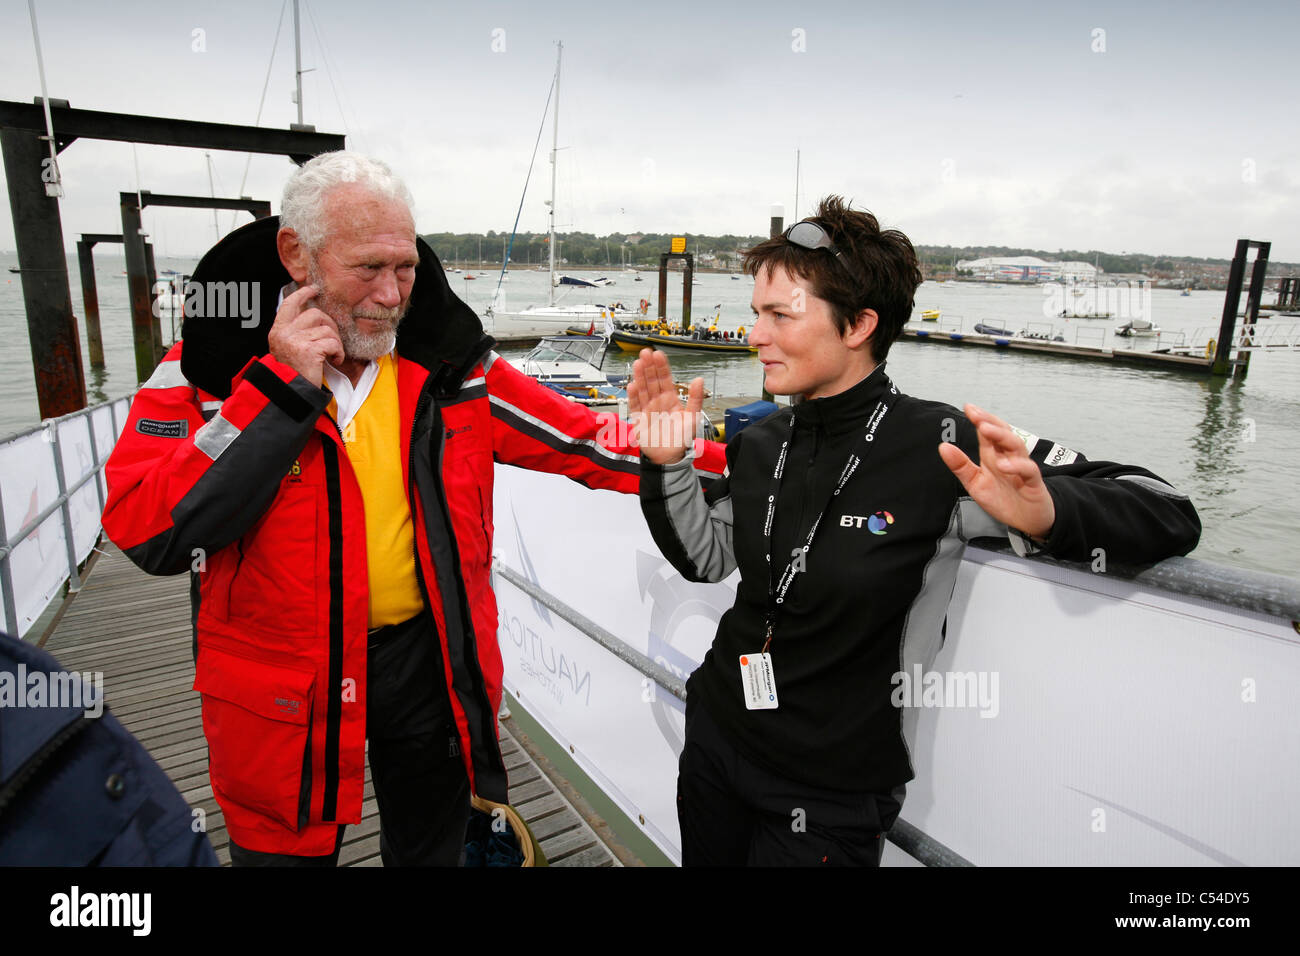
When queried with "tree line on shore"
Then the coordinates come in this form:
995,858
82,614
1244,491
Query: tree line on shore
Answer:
642,251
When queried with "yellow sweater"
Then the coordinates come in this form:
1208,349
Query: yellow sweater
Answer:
374,446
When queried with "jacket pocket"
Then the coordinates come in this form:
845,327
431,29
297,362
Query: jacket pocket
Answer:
256,717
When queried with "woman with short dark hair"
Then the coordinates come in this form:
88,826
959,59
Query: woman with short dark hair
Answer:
846,514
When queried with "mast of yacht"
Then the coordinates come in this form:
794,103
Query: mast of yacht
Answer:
796,184
297,62
555,146
212,191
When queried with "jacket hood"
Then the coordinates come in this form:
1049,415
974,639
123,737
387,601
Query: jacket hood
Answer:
231,304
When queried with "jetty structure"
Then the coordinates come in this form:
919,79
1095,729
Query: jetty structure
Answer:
1225,353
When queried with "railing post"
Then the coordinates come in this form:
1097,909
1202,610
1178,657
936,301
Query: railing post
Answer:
94,458
74,579
7,578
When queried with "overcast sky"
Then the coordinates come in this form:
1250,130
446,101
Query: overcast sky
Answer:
1152,127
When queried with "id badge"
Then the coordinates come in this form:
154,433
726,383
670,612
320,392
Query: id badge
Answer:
758,682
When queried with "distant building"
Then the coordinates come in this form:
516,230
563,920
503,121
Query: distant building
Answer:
1025,269
634,239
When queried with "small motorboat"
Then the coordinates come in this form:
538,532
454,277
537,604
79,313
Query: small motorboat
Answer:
930,315
1138,328
1052,336
597,283
983,329
569,360
634,336
1076,314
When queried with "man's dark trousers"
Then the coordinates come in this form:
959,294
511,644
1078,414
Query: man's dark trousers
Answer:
415,763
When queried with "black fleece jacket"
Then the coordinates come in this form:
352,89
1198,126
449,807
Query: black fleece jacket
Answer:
873,598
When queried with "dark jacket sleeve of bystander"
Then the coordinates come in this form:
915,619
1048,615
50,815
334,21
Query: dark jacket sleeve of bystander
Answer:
78,789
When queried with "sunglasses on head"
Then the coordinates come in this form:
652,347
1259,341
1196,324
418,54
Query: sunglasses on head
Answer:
809,235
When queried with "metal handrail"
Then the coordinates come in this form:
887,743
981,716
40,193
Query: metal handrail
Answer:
50,427
902,834
624,652
1259,591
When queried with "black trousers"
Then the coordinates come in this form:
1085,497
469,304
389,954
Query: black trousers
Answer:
415,764
734,812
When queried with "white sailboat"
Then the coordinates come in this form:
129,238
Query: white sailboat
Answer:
551,318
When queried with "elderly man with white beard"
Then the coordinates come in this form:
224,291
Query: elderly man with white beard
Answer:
334,475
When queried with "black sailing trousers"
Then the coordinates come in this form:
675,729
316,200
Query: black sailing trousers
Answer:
420,782
733,812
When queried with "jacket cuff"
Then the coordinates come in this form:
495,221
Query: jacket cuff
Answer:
687,460
659,481
1064,529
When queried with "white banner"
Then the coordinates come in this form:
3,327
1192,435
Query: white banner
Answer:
1104,724
592,551
38,564
1133,727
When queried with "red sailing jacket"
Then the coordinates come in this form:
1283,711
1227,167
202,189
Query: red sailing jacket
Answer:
241,479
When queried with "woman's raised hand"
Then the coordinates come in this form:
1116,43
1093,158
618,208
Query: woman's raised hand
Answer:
1006,483
664,429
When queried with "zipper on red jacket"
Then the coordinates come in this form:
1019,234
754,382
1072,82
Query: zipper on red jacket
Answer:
334,682
493,747
420,403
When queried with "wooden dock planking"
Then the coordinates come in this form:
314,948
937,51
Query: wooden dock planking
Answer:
135,629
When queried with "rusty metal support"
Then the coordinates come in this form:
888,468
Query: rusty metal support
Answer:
688,282
1257,277
663,287
141,276
90,299
775,226
137,285
38,231
1223,362
151,276
687,276
260,208
1288,292
299,144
